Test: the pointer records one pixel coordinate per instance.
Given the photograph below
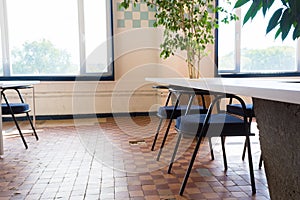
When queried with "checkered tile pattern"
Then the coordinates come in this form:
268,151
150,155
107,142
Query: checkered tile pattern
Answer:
65,164
139,16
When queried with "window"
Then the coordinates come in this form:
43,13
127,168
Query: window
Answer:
247,50
56,40
1,57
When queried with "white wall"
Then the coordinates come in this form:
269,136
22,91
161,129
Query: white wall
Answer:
136,57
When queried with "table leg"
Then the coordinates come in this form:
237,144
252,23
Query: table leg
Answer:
33,106
279,134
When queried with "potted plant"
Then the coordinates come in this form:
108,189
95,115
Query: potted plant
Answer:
284,18
188,26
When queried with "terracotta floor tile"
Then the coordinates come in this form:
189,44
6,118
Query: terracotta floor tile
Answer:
209,195
150,192
136,193
152,197
96,161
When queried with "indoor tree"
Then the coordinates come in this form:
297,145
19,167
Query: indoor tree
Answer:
188,26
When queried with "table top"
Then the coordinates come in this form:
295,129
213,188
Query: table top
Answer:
283,90
8,84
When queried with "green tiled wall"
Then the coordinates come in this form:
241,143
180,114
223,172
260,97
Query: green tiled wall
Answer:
138,16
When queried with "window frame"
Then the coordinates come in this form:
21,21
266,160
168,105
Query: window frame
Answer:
236,71
83,76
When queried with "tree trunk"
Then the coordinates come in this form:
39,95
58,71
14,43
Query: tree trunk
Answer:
193,66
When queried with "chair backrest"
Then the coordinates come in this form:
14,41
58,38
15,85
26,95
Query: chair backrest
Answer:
192,93
3,93
14,107
216,102
164,87
17,90
236,109
186,107
180,91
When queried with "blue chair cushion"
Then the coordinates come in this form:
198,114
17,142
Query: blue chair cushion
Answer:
165,112
16,107
219,125
237,110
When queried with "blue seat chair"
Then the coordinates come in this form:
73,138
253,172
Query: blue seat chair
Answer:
210,125
170,112
13,109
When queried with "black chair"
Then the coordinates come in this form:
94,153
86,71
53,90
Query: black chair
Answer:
179,110
9,108
237,109
210,125
170,112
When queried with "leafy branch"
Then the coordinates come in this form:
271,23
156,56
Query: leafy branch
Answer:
284,18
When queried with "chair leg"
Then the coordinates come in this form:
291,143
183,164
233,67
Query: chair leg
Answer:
188,171
245,144
156,134
211,149
20,132
250,165
260,161
33,128
164,140
244,150
174,153
168,128
224,153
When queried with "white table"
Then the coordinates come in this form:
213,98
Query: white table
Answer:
7,84
277,109
283,90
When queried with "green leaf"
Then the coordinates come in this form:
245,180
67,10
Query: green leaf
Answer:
274,20
295,8
296,33
239,3
277,33
266,5
254,8
285,23
270,3
123,5
247,16
265,8
283,2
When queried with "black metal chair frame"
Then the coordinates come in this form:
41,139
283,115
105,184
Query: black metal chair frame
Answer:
200,135
250,115
12,113
160,87
178,92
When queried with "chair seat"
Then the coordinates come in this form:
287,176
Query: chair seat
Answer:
237,109
17,108
229,125
165,112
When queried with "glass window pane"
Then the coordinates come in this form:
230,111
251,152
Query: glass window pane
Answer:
1,56
262,53
95,36
226,41
43,37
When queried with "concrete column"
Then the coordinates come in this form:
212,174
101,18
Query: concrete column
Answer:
279,129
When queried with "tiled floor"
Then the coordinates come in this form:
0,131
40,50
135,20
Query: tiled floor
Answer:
111,159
